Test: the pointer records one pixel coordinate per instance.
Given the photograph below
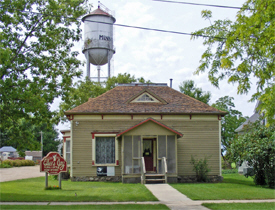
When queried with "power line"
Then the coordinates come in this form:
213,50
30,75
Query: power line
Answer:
197,4
128,26
154,29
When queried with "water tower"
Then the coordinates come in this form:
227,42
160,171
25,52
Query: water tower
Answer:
98,38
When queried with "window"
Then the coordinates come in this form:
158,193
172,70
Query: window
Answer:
105,150
145,97
132,154
68,150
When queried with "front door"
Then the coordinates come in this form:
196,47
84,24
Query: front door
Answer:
148,154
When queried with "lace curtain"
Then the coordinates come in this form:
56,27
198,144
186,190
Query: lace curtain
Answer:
105,150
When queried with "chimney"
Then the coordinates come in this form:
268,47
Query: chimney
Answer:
171,80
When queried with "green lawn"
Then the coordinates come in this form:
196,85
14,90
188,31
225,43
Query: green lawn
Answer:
233,187
82,207
240,206
33,190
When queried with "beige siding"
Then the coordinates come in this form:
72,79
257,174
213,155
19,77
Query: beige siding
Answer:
82,141
149,128
201,137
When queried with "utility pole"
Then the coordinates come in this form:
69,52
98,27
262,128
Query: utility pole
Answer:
46,174
41,144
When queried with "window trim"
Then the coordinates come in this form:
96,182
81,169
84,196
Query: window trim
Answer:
94,135
67,152
136,100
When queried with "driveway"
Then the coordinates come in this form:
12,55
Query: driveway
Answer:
10,174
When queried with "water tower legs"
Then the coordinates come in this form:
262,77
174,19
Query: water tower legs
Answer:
98,73
109,65
87,64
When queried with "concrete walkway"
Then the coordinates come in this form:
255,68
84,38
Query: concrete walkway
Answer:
15,173
175,200
172,198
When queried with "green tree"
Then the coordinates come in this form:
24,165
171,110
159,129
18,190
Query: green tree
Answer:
229,122
29,137
243,50
83,90
50,137
257,147
189,88
37,63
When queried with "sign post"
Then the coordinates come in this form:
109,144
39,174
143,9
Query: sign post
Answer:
53,164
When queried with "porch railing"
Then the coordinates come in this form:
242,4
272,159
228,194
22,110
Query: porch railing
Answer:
164,168
143,170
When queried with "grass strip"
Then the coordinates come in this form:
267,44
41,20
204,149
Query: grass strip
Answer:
32,190
82,207
233,187
240,206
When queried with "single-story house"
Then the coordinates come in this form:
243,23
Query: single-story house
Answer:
136,131
8,152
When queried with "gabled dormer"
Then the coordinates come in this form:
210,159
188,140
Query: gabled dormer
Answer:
146,96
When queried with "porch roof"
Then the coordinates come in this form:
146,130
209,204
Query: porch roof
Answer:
154,121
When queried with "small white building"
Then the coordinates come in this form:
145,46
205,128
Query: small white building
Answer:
8,151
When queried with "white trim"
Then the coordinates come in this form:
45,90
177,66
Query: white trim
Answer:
71,150
145,93
94,152
65,153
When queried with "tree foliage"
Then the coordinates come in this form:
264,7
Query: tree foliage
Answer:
50,137
28,137
83,90
37,63
257,147
230,122
243,50
189,88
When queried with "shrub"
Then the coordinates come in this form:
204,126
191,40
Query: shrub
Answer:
200,166
18,163
5,165
257,147
7,162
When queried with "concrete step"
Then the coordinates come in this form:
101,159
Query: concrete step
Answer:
152,175
155,180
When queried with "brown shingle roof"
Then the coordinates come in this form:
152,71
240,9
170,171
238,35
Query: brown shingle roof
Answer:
115,101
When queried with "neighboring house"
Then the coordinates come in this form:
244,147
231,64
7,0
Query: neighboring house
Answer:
66,146
244,128
114,134
256,116
8,152
33,155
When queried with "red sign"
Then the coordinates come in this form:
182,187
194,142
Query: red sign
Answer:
53,164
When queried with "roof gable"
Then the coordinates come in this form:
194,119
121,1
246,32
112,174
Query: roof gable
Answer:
155,122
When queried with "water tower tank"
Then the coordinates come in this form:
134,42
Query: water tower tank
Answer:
98,37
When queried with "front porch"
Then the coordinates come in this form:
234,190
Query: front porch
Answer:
149,153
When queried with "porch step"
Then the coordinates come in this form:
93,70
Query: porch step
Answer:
150,175
154,178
